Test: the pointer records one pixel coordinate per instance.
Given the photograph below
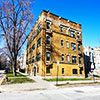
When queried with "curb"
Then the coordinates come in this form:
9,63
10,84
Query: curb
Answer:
2,79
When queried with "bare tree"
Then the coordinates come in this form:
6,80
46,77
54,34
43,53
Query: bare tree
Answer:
15,19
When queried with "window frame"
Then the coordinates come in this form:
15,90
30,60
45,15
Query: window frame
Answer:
62,43
48,23
74,60
75,72
33,59
39,28
33,46
73,46
38,57
39,42
63,71
68,58
48,42
47,56
48,71
62,57
67,44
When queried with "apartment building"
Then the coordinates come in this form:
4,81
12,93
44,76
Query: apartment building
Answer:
53,39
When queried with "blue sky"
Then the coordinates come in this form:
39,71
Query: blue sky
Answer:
85,12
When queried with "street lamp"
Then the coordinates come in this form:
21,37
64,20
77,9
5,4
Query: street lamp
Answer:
57,73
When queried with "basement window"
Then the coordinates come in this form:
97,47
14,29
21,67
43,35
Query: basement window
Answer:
48,70
74,71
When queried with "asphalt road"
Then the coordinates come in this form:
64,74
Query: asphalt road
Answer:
66,93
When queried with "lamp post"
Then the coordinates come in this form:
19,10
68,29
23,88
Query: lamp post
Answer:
57,73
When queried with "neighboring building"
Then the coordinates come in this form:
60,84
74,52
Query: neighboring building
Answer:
97,58
88,60
22,61
91,59
53,39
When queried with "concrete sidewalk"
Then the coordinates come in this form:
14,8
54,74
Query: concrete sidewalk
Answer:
39,84
76,82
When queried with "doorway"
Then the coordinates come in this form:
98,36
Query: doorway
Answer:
34,70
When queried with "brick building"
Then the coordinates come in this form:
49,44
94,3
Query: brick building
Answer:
53,39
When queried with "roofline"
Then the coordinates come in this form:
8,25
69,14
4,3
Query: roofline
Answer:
59,16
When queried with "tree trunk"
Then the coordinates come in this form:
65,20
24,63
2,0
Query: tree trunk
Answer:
14,68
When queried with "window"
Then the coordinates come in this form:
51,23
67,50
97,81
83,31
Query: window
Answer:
38,42
62,43
34,35
79,60
68,59
27,52
29,60
48,70
74,59
48,25
67,44
62,71
61,29
30,50
79,47
66,31
39,28
73,45
72,34
48,40
48,56
38,57
74,71
77,34
30,39
33,47
62,57
33,59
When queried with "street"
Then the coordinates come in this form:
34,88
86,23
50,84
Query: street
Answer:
87,92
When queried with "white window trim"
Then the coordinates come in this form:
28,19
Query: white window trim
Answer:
66,43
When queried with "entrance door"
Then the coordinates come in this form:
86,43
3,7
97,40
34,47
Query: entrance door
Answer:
34,71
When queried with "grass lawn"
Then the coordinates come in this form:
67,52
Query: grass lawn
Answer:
10,74
68,79
17,79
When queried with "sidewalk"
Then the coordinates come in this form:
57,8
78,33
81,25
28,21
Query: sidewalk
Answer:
39,84
75,82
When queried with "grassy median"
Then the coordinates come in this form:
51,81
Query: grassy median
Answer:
68,79
17,79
